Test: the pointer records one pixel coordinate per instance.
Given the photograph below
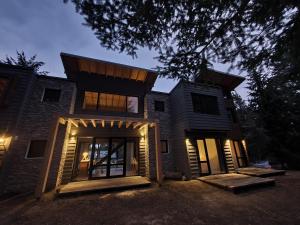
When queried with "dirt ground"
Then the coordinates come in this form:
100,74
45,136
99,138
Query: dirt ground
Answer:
177,202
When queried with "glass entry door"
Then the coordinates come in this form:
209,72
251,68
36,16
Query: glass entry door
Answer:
113,157
209,156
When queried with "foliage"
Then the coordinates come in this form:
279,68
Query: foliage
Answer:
261,37
25,62
249,34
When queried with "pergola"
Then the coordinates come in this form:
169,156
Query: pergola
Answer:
97,121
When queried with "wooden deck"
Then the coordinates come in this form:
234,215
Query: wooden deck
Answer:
103,185
260,172
236,182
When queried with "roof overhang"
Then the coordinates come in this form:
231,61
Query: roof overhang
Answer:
225,80
74,64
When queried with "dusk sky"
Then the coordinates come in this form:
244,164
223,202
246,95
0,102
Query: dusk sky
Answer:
49,27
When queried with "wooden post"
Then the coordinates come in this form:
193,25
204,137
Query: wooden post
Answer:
40,189
159,173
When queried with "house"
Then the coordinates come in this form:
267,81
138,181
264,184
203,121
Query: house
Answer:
103,121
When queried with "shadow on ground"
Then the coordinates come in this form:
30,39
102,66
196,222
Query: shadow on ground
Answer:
176,202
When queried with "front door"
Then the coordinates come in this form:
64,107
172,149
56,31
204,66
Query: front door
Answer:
209,156
107,158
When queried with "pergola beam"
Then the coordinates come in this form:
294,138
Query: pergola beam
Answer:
83,122
120,124
103,123
111,123
93,122
136,125
128,124
73,122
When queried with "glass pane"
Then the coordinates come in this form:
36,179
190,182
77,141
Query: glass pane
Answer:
110,102
117,157
204,168
100,158
90,100
213,156
201,149
85,151
237,148
132,104
131,159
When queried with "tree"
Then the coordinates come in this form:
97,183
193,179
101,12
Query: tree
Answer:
25,62
261,37
251,35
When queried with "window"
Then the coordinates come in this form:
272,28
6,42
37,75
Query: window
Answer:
4,82
36,149
51,95
110,102
132,104
159,106
164,146
206,104
231,115
90,100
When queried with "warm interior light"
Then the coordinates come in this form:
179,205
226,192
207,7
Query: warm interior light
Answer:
2,140
85,156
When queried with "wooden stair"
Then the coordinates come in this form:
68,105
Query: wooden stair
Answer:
69,160
193,160
228,158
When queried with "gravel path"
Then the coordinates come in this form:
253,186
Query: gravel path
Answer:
177,202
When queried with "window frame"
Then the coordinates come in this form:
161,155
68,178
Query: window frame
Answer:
98,108
6,91
29,145
167,146
205,111
56,89
159,102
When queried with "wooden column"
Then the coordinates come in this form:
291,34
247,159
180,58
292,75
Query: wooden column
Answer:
41,186
159,173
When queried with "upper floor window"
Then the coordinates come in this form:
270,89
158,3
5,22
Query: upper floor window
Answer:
206,104
51,95
36,149
4,82
159,106
110,102
164,146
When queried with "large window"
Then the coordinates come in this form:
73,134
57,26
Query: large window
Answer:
3,88
159,106
51,95
36,149
206,104
110,102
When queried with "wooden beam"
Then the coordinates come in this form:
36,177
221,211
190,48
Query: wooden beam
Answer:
120,123
83,122
93,122
128,124
136,125
159,173
73,122
103,123
62,121
111,123
45,169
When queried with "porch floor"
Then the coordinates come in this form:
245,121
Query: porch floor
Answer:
260,172
236,182
103,185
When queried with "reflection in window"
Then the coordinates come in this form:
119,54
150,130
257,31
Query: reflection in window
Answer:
110,102
132,104
90,100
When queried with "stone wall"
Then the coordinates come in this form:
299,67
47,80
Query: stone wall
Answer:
20,173
165,129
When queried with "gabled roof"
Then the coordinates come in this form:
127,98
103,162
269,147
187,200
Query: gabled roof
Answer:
75,64
225,80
